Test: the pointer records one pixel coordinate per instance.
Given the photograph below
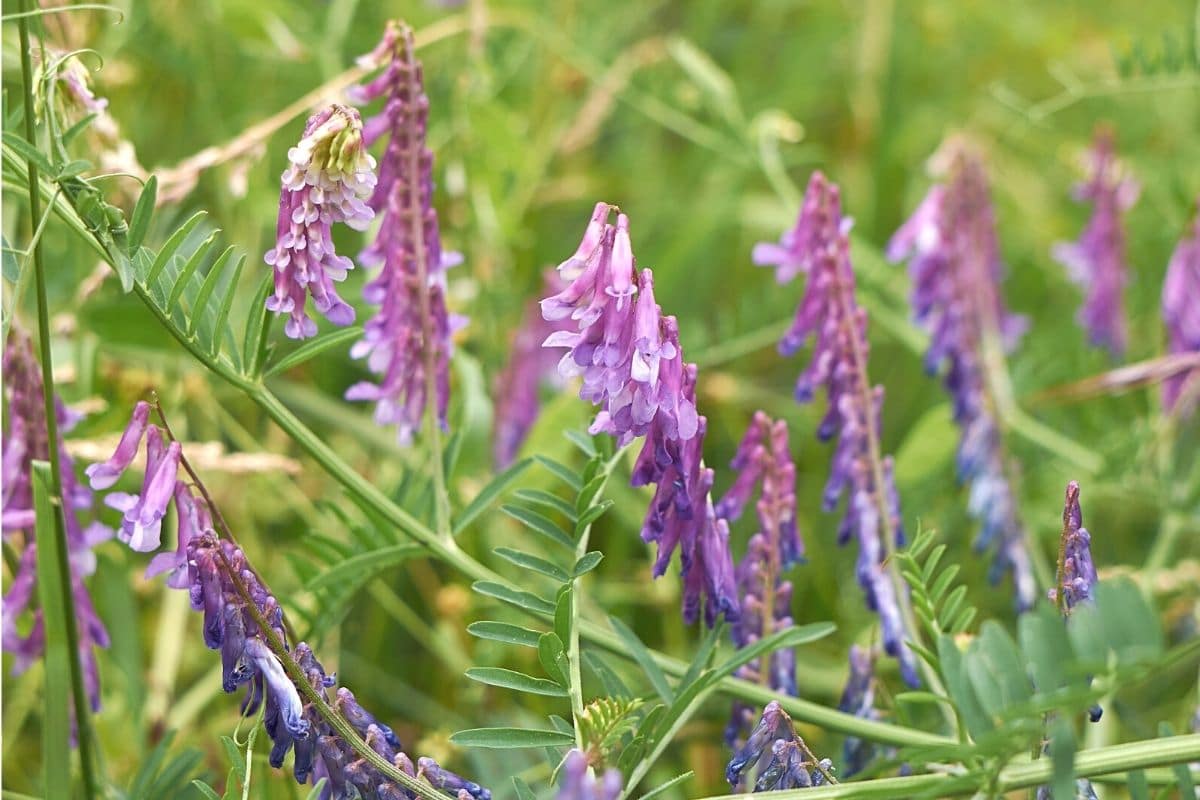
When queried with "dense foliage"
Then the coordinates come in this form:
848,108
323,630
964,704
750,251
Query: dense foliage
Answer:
912,512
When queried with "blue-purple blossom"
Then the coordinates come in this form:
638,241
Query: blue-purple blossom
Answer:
858,698
1097,260
776,756
819,246
954,261
328,178
408,342
579,781
631,365
1078,572
1181,315
765,599
518,385
26,440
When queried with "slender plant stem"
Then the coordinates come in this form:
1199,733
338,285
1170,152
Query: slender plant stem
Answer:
415,219
78,694
1088,763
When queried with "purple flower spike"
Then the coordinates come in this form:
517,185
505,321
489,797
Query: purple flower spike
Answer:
26,440
579,780
954,260
1077,574
328,178
142,525
631,365
782,758
1097,261
1181,315
408,343
858,698
104,475
517,387
819,247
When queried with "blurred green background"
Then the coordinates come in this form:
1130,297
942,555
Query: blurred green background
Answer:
702,120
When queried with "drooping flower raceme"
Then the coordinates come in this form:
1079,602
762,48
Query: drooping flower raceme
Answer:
1097,260
631,365
517,386
858,698
819,247
245,623
782,758
26,440
579,781
408,341
1181,315
954,261
764,597
328,178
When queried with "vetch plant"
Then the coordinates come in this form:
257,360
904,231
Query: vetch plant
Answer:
575,678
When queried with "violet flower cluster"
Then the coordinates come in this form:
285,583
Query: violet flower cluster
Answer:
777,756
329,176
954,261
245,622
1097,260
408,341
763,459
631,364
579,781
1078,571
858,698
517,386
26,440
1181,314
819,246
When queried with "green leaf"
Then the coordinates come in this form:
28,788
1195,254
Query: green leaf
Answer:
52,593
539,524
167,252
186,273
587,562
789,637
592,514
543,498
28,152
72,169
1183,772
532,562
255,340
582,441
72,132
1136,783
588,493
613,685
563,473
234,755
200,301
523,790
922,698
703,655
313,348
642,656
951,658
525,600
143,211
562,613
662,787
996,670
206,790
1062,756
12,270
358,569
226,305
1045,647
519,681
504,632
510,738
553,656
489,493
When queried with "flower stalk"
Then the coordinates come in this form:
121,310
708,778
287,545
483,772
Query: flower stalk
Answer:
78,691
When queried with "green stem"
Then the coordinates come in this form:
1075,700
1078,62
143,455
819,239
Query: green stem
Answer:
78,694
1088,763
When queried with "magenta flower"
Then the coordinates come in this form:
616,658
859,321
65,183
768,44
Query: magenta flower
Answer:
1181,315
408,342
516,389
628,357
329,175
954,261
1097,261
819,247
26,440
